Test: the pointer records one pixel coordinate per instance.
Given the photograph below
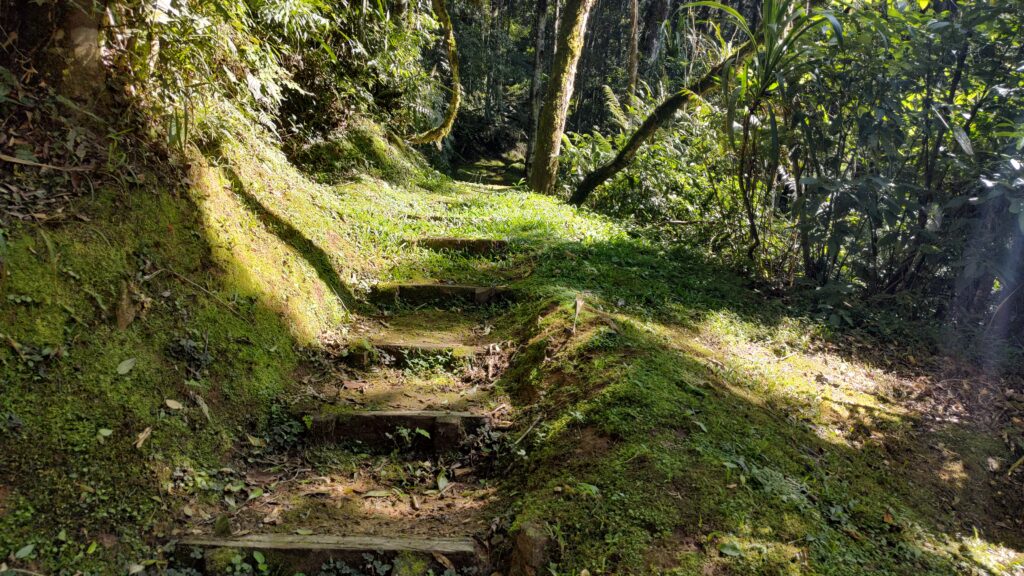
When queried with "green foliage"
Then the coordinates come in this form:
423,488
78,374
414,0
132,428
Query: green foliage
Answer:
305,67
876,149
369,63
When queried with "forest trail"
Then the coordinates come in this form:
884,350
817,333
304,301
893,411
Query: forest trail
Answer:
413,409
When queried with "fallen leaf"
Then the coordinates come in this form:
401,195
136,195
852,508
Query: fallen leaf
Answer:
304,532
357,385
174,404
126,366
377,494
202,406
274,518
25,551
444,561
126,308
143,436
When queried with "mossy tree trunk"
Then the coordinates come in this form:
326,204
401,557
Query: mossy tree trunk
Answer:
569,45
537,82
634,50
438,134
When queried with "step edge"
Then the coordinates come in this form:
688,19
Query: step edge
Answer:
403,413
433,347
328,542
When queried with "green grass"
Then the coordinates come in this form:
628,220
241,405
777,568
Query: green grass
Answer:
684,424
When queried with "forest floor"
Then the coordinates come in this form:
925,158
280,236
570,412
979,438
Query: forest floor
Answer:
665,416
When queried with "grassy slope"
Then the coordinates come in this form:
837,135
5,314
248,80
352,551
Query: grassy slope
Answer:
687,426
683,427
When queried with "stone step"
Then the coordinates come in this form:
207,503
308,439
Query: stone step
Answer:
445,294
472,246
291,554
444,431
403,353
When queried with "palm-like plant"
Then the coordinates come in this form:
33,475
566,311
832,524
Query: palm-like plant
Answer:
780,55
758,67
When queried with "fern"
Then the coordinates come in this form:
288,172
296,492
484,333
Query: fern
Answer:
618,115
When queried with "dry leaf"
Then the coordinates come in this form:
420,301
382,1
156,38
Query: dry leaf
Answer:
126,308
143,436
174,404
202,406
444,561
274,518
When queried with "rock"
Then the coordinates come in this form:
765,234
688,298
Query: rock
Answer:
530,554
222,526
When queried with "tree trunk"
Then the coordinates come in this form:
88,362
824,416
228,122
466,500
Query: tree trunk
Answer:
558,28
537,82
650,44
84,78
559,92
438,134
660,117
634,50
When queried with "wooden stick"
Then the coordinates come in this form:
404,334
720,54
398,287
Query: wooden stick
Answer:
14,160
210,294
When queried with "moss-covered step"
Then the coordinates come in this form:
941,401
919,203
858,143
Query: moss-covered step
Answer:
473,246
443,294
404,353
291,554
435,430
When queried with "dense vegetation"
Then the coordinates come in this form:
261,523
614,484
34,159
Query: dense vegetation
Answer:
769,258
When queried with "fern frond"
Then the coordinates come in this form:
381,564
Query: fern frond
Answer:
611,102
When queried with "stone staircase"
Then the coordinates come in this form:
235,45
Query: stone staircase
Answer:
315,524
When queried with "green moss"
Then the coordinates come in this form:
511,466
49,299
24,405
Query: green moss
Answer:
364,150
221,560
68,462
409,564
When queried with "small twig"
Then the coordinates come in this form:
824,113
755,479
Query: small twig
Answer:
788,356
528,430
1003,303
14,160
1015,465
210,294
14,346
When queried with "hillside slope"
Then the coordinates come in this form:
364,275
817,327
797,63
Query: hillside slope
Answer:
667,418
